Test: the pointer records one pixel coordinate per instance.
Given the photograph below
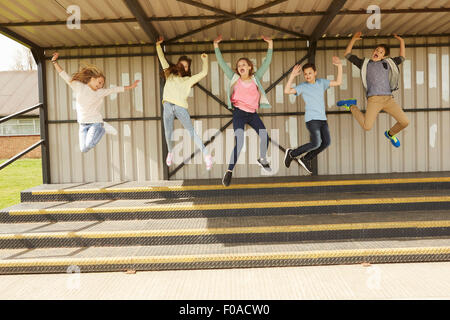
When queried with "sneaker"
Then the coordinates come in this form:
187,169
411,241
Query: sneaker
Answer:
109,129
264,164
209,162
346,103
306,164
169,159
227,178
394,140
287,158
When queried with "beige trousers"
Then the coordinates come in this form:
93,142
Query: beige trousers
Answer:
374,106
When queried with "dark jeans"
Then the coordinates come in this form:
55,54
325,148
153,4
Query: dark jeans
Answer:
320,140
240,119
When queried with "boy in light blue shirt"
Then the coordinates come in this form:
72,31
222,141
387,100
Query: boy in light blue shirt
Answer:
312,91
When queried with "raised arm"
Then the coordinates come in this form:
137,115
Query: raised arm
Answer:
75,85
159,51
55,62
199,76
337,62
217,41
402,45
356,37
348,52
229,73
266,63
296,71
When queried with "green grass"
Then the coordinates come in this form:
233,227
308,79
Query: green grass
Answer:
16,177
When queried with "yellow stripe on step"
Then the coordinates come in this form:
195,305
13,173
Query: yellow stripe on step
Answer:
221,231
235,257
246,186
229,206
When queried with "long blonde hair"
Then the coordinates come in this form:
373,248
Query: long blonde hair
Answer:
88,72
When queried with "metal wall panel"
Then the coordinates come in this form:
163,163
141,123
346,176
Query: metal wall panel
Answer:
136,152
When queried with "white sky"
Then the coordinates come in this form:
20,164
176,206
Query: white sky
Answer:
8,51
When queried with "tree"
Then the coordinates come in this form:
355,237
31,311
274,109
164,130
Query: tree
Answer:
24,60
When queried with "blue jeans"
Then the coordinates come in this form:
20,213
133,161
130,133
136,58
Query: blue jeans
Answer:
240,119
320,140
89,135
170,112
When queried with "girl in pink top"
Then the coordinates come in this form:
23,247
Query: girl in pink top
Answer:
245,95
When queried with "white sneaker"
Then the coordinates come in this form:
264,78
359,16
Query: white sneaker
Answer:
109,129
169,159
209,162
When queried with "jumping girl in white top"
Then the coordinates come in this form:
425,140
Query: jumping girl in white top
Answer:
87,85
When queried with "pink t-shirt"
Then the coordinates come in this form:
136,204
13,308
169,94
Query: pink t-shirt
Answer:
246,96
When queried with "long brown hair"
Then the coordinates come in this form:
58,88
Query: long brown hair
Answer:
178,68
87,73
249,62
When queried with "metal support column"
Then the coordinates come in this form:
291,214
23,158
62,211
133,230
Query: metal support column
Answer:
165,151
39,56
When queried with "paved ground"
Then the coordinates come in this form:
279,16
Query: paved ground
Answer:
383,281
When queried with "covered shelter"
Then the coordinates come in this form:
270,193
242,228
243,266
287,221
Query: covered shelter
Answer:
119,36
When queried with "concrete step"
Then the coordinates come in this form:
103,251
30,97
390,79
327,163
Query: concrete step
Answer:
229,230
213,256
238,206
239,187
257,222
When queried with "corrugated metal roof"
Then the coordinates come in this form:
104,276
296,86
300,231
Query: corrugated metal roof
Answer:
401,23
18,90
130,32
